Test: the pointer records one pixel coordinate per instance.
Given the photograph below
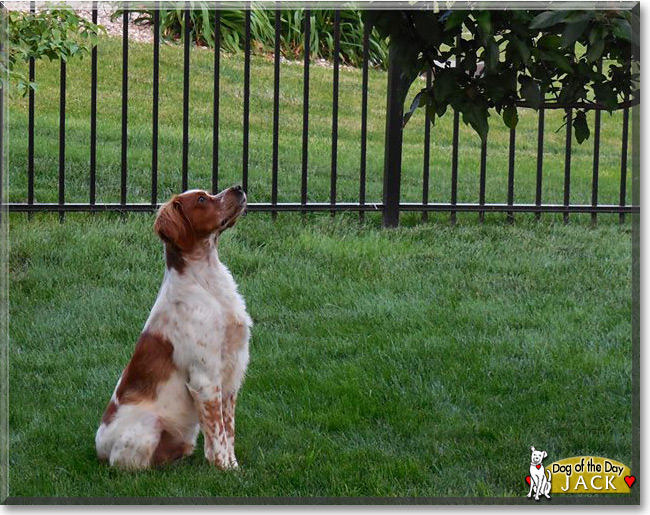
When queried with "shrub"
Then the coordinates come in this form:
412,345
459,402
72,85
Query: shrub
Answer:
202,22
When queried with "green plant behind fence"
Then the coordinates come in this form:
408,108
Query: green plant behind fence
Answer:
202,21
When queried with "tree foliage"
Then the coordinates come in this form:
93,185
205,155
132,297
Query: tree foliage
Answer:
57,33
503,59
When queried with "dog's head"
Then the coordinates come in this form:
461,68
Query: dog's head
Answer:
196,216
537,456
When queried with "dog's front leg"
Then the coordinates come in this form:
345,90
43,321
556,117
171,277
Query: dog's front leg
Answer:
229,404
208,401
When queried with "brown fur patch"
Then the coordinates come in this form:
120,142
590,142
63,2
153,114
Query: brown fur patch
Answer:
174,258
235,335
152,363
229,405
211,416
169,449
109,413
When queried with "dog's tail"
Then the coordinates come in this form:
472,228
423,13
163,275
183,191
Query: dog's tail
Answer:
548,475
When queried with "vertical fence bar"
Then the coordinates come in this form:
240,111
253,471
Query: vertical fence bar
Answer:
594,178
427,150
511,174
215,105
624,138
540,162
30,134
482,177
186,98
62,139
335,107
364,118
247,97
93,115
454,155
125,89
305,108
567,165
454,166
154,117
276,112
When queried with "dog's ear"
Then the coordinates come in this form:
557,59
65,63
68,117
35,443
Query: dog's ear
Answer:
171,225
545,455
532,449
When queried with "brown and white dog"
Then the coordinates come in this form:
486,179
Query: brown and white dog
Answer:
190,360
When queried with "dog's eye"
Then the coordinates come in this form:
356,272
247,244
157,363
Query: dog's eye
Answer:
201,199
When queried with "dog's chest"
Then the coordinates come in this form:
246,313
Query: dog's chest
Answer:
201,317
536,470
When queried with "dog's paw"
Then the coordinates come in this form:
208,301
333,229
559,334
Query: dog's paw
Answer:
529,495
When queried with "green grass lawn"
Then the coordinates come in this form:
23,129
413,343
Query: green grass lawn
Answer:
200,156
422,361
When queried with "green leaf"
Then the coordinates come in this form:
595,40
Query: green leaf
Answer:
456,19
522,49
605,94
578,16
622,29
427,27
510,117
548,18
443,85
478,119
484,21
559,60
580,126
597,32
531,92
549,42
414,105
491,55
595,51
572,32
207,26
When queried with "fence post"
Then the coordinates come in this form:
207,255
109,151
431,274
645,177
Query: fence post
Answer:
397,89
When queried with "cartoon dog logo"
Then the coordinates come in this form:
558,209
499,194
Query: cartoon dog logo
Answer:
540,478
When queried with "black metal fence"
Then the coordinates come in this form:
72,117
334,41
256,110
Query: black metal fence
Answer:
391,206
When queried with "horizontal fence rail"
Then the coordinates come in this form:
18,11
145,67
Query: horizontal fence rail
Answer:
390,206
340,207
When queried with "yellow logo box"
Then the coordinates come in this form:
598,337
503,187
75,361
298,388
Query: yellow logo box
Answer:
589,475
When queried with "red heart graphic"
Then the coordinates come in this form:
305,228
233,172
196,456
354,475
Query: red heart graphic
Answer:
538,467
630,480
528,479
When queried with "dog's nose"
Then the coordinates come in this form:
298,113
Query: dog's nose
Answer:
237,188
